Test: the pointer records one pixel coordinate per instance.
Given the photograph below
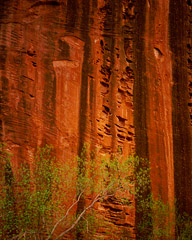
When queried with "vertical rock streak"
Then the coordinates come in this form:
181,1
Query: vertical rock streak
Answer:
180,43
152,94
140,96
159,106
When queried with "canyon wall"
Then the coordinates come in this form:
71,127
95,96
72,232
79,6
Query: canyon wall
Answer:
114,73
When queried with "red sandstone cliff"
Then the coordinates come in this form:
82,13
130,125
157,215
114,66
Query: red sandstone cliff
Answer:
116,74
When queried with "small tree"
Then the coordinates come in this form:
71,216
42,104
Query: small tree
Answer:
40,200
97,180
40,193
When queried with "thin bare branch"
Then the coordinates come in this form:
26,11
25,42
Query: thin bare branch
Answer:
87,224
96,199
67,213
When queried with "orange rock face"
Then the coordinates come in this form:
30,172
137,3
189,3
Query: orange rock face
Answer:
115,74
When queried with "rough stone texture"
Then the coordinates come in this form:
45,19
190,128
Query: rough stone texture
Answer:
153,96
116,74
154,82
65,80
180,43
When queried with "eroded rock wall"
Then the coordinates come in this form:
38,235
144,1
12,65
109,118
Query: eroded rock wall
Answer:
153,97
115,74
65,80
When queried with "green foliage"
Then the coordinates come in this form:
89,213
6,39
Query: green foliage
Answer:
166,222
7,195
183,226
31,195
37,198
158,219
35,188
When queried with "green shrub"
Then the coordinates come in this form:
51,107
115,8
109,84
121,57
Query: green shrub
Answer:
37,198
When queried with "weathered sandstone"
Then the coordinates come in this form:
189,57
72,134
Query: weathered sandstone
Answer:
114,73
